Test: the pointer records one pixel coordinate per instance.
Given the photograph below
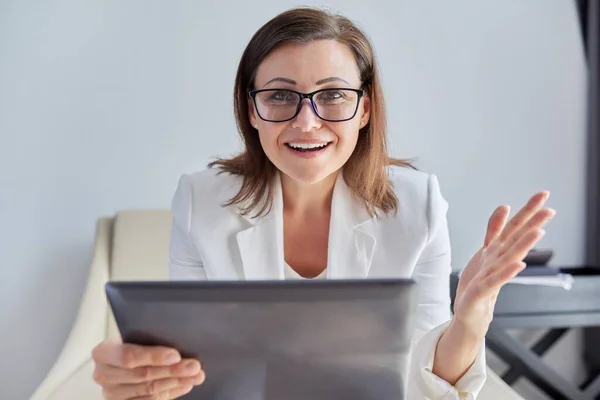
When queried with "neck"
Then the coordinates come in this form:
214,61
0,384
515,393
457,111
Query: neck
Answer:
311,199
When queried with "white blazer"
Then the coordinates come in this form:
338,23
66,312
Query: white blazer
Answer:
213,242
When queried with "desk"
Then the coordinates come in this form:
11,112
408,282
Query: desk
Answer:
528,307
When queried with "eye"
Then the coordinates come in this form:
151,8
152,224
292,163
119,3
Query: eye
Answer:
332,95
282,95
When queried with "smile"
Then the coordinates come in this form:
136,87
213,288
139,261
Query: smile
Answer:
307,147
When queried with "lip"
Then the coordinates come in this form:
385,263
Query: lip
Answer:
308,141
308,154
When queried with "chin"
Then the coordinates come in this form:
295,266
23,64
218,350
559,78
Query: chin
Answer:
308,177
308,170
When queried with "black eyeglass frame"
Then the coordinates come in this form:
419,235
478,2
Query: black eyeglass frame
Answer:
302,96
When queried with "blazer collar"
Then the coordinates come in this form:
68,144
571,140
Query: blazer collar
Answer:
351,242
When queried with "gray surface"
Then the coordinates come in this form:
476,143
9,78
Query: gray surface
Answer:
317,340
527,307
584,296
534,306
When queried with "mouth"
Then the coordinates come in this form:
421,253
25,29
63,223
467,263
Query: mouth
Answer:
307,147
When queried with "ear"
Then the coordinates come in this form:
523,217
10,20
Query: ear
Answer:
252,114
366,110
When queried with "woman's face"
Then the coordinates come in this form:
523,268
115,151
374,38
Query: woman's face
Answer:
308,148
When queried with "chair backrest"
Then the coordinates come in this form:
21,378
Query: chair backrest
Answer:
140,249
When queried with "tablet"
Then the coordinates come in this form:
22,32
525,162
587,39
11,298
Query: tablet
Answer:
278,340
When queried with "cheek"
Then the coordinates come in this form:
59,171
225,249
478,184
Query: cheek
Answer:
347,138
269,141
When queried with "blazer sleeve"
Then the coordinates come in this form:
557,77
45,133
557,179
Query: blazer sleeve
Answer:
432,273
184,260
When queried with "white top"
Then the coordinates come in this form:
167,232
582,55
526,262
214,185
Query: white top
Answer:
290,273
210,241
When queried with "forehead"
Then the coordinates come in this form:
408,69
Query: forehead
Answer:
309,63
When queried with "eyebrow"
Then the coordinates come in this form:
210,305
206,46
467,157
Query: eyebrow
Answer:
319,82
332,79
279,79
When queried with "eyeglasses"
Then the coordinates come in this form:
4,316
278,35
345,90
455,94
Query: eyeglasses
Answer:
280,105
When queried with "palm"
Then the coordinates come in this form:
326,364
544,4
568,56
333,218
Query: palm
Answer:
499,259
467,301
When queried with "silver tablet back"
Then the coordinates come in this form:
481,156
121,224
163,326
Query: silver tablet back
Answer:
278,340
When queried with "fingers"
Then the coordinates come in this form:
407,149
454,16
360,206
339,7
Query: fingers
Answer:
519,249
496,224
537,221
176,393
109,375
494,281
524,214
169,395
127,371
130,356
507,266
160,389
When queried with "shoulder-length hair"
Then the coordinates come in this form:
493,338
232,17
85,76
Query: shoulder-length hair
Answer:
365,171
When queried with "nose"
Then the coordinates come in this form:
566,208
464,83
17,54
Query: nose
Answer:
307,119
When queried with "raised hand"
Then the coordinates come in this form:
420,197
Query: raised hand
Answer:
499,260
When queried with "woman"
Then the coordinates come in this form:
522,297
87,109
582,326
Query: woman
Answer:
315,195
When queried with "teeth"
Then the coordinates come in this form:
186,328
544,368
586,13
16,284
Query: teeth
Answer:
307,145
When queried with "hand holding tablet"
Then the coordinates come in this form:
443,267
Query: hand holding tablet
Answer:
129,371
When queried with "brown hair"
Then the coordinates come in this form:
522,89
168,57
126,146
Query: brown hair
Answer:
365,171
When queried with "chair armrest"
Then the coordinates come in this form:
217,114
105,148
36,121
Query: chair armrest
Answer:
90,325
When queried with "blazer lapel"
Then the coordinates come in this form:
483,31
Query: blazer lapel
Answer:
261,244
351,241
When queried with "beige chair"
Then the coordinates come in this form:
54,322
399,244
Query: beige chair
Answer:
133,245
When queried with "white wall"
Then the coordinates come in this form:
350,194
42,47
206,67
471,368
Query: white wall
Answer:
103,104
